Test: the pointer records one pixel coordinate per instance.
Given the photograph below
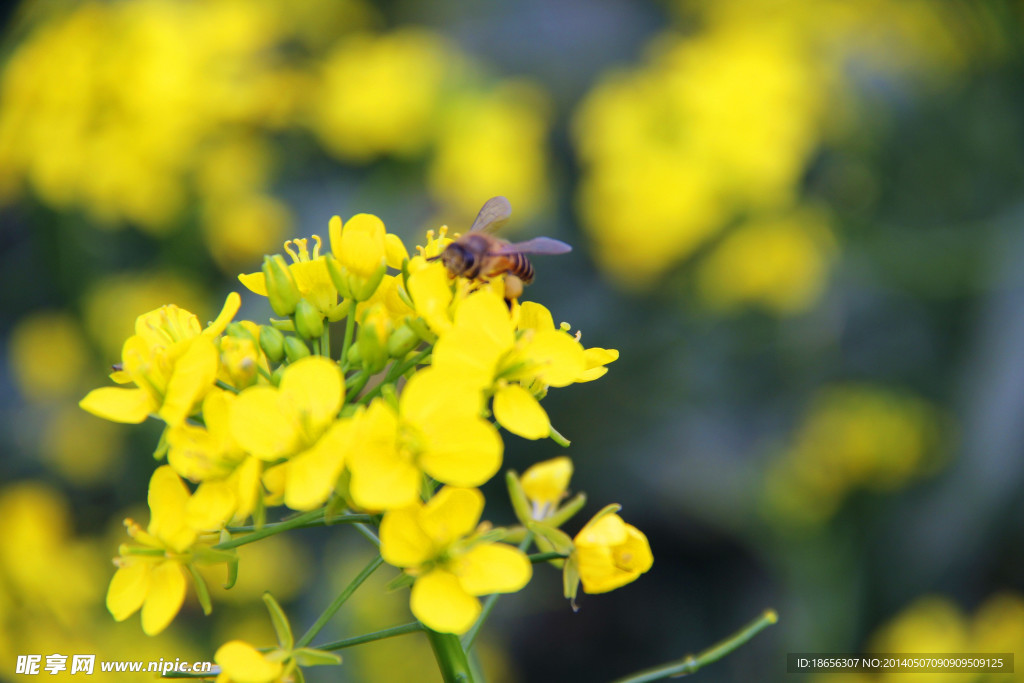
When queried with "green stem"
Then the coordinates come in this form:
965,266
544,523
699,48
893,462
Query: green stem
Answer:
224,385
370,637
451,658
557,437
350,328
325,341
359,381
691,663
367,532
544,557
308,636
313,518
470,637
394,372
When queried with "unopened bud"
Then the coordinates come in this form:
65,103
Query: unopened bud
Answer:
294,349
308,321
272,343
281,288
402,341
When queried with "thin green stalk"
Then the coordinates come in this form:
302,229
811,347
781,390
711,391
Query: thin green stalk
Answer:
325,341
316,346
309,519
470,636
370,637
451,658
350,328
544,557
691,663
308,636
224,385
368,533
394,372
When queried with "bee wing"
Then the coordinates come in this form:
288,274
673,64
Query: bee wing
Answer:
538,245
494,214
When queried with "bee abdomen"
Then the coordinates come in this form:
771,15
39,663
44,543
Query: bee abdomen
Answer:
521,267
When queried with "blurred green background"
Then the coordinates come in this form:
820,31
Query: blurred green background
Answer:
799,222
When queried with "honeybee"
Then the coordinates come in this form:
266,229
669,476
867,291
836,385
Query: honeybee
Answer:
479,255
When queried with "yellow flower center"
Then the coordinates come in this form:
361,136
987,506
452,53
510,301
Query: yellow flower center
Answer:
302,255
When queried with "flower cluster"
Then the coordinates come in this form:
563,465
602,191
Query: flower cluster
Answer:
378,395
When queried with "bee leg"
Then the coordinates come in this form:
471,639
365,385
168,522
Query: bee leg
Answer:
513,287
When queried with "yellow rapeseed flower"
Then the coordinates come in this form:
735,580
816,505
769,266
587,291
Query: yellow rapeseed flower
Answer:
152,573
439,544
610,553
437,429
171,360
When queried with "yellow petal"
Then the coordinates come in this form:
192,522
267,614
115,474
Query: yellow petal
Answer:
558,357
130,406
533,316
314,387
164,598
431,292
212,505
432,394
395,251
439,601
313,474
168,503
128,588
595,359
451,514
403,543
546,482
487,312
518,411
260,426
246,480
230,308
362,244
194,374
469,354
608,530
334,230
254,282
461,452
245,664
494,568
383,483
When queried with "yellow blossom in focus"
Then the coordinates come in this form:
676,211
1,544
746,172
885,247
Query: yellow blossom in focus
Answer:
172,362
47,355
436,430
152,573
297,420
309,271
780,264
609,553
483,347
435,543
379,93
493,143
546,483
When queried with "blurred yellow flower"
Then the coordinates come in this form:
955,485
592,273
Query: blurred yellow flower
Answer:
47,355
779,263
546,483
81,448
240,228
240,662
435,542
379,93
493,143
853,436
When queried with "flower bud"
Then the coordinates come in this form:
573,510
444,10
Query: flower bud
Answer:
281,288
239,358
402,341
239,331
272,343
308,321
294,349
339,276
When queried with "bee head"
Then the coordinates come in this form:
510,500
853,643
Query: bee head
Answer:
457,259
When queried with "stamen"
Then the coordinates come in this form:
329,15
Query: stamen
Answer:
291,252
316,249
